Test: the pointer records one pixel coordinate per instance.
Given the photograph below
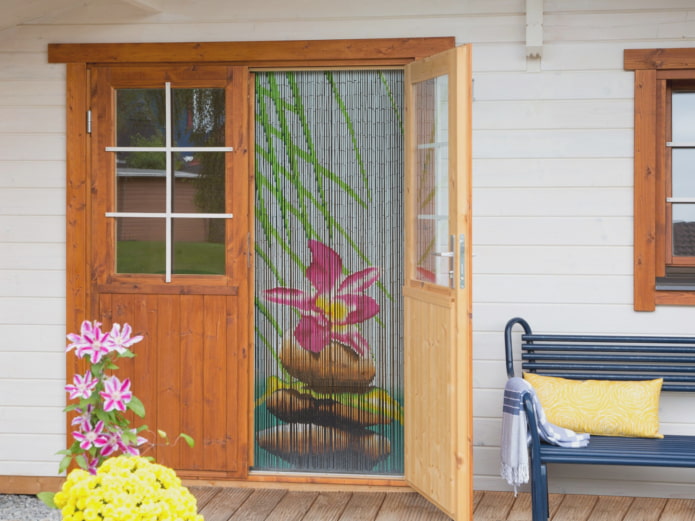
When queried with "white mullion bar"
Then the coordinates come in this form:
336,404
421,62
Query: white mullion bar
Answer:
680,199
161,215
169,176
170,148
685,144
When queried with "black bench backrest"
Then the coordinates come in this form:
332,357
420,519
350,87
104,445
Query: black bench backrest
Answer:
605,357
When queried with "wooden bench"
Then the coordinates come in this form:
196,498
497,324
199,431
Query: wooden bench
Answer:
607,357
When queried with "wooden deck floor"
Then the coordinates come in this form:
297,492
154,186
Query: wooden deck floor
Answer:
278,504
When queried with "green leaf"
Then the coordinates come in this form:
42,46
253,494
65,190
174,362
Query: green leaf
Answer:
136,406
64,464
188,439
82,461
48,499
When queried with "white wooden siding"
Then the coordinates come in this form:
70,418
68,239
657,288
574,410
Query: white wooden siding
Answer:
552,189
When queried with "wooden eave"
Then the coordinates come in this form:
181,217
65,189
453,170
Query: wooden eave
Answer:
680,58
378,51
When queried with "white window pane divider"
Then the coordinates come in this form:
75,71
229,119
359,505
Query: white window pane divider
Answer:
680,199
168,215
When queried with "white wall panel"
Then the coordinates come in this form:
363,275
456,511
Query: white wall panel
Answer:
565,173
32,283
32,311
28,256
551,260
48,337
32,201
31,147
43,119
553,202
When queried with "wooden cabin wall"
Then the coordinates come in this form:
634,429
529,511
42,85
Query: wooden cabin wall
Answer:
552,197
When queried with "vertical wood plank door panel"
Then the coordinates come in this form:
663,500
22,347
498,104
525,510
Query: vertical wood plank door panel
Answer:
169,238
437,289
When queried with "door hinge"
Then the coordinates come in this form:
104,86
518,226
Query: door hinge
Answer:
89,122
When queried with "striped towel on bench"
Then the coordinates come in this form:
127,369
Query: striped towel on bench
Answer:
514,444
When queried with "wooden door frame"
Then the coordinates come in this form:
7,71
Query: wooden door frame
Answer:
385,52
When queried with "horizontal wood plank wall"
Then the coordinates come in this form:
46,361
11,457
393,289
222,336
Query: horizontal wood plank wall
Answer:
552,172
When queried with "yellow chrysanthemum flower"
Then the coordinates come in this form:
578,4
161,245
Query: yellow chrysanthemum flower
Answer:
126,489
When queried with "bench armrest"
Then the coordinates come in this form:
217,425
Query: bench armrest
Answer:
535,440
509,357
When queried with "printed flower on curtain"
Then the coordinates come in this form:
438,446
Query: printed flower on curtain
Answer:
334,306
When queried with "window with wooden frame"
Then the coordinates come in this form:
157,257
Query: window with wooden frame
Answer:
664,176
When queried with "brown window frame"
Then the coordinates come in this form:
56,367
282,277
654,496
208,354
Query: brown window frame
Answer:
656,72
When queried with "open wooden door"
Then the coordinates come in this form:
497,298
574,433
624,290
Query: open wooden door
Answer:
437,289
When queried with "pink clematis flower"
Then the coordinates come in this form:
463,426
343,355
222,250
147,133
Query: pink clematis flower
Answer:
91,342
91,436
84,418
116,394
113,443
82,386
121,337
336,305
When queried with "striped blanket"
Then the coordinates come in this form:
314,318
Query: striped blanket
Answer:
514,444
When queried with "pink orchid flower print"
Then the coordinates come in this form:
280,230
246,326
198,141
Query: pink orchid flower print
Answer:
335,305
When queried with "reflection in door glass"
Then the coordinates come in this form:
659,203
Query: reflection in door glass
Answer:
434,255
140,245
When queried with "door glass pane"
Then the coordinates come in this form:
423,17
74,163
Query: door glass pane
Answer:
683,114
140,181
197,117
199,182
140,245
434,255
198,246
140,118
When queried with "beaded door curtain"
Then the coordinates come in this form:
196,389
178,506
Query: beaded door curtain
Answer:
329,272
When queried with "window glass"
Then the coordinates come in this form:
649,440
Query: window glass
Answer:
199,182
140,118
197,117
198,246
433,256
683,116
140,245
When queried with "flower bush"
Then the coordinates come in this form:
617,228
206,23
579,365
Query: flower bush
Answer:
102,429
126,488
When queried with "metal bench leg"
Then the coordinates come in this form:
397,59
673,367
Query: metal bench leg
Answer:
544,487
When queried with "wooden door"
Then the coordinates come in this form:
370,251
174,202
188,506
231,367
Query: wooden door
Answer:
170,250
437,291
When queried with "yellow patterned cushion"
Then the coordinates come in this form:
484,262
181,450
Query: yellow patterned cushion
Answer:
602,407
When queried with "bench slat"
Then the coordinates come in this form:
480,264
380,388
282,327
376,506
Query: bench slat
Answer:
670,451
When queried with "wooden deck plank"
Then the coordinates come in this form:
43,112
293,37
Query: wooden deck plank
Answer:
203,495
679,510
575,507
611,508
521,510
409,506
258,505
645,509
363,506
494,506
293,506
327,506
224,504
477,497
